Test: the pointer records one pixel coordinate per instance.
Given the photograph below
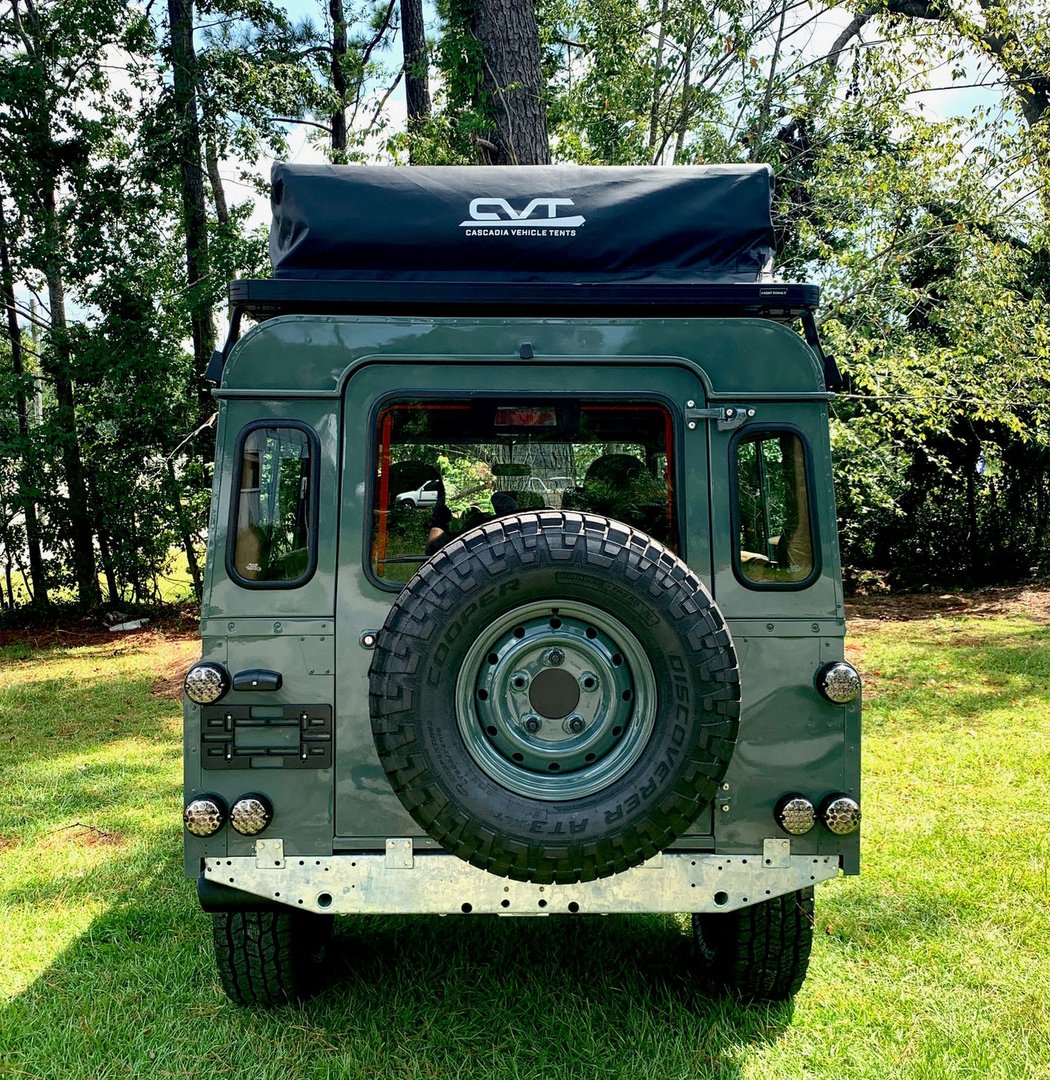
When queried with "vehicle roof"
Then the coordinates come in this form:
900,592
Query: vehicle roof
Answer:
316,354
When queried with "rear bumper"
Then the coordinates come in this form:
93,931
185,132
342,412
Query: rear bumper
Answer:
400,882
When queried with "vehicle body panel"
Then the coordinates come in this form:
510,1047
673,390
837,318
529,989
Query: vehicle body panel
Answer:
331,372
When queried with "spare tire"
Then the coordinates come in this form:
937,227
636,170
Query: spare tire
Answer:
554,697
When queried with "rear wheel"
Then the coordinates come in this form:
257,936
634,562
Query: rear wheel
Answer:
761,952
269,957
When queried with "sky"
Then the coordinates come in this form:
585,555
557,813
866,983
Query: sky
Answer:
944,102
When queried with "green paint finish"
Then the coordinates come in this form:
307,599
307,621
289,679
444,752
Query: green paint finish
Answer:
317,354
334,373
365,803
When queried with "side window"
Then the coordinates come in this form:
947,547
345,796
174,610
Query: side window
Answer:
273,531
774,542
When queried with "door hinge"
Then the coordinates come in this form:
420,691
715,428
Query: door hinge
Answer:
728,416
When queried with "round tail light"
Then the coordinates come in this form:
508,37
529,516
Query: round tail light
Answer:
251,814
840,814
839,682
795,814
206,683
204,816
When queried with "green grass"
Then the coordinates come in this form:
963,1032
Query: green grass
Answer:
935,963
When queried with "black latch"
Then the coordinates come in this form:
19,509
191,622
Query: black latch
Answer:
257,679
729,417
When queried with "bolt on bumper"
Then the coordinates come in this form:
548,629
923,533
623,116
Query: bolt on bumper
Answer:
401,882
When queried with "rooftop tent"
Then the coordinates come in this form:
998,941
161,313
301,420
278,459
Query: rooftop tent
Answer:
533,223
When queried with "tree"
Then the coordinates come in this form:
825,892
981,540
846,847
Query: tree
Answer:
924,235
511,86
495,94
25,450
665,82
351,69
190,156
56,114
1016,36
414,50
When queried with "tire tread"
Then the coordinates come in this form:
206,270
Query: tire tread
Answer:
268,957
549,538
761,952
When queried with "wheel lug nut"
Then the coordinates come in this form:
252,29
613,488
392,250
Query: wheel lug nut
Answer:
589,681
575,724
555,657
531,724
519,680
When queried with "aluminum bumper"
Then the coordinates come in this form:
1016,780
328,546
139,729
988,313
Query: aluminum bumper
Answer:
400,882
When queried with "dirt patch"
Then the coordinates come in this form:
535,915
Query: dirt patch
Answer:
7,843
168,683
75,633
92,837
85,836
1030,600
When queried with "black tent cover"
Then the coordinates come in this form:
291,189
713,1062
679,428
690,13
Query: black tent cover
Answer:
532,223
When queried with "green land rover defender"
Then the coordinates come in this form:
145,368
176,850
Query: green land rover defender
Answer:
523,591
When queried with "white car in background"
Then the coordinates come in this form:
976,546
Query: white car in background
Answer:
427,495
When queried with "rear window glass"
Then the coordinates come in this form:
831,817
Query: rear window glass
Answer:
273,536
775,538
443,467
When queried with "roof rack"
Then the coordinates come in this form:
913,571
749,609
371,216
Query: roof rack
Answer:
267,298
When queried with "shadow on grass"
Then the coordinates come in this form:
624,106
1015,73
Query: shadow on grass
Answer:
869,918
953,678
408,997
53,717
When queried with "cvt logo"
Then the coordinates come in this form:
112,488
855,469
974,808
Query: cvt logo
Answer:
499,212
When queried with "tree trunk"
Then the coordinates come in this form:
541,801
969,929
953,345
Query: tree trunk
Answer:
184,532
105,551
194,212
7,574
512,83
335,9
685,114
658,74
106,556
59,369
973,551
133,568
27,479
218,192
414,47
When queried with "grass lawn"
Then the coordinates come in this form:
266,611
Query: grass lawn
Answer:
934,963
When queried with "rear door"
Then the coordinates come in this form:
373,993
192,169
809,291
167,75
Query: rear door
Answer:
499,437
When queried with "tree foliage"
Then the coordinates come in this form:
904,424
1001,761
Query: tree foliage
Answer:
129,170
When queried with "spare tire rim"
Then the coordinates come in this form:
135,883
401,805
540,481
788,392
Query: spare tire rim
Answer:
556,700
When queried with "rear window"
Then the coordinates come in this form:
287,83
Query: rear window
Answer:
775,537
442,467
273,528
